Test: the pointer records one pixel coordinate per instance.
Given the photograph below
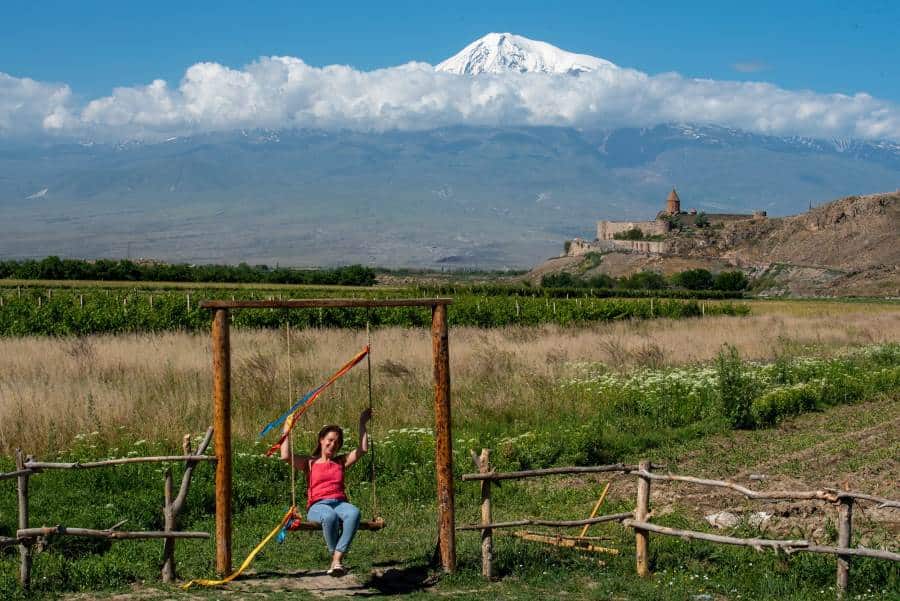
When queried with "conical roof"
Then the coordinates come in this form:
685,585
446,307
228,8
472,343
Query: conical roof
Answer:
673,196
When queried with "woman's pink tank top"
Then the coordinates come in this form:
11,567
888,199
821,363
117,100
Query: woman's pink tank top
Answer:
326,481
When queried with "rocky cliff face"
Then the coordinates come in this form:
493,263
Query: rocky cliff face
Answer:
849,246
854,233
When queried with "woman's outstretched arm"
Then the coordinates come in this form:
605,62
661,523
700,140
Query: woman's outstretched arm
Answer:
300,462
363,448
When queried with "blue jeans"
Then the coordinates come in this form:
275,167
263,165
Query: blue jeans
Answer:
335,516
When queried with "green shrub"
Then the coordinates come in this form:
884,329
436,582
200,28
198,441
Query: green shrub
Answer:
770,408
731,280
644,280
601,281
693,279
560,280
734,387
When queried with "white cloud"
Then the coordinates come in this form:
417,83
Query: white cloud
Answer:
27,106
285,92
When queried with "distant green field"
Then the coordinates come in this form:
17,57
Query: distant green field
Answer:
99,308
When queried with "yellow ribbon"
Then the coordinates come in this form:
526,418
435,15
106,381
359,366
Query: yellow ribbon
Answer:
247,561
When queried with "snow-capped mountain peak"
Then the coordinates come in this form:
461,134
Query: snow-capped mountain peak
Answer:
505,52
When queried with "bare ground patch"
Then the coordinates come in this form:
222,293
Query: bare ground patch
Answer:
315,584
854,447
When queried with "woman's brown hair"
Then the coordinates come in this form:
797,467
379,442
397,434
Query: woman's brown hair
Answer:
325,431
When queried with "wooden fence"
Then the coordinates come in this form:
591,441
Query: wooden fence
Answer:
639,519
31,539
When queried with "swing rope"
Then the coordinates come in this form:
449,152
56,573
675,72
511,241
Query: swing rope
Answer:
371,445
291,437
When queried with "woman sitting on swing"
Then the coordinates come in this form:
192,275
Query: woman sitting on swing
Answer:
326,498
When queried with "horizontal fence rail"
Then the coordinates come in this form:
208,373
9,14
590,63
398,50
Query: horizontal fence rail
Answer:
788,546
15,474
552,471
113,534
638,521
614,517
828,495
76,465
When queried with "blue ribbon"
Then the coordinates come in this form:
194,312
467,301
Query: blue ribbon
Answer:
280,420
282,534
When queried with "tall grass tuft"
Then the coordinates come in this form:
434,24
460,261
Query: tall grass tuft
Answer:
734,388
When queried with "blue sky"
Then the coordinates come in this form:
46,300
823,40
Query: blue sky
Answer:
129,70
93,46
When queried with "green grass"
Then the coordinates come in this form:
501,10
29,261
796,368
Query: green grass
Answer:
94,310
527,570
638,423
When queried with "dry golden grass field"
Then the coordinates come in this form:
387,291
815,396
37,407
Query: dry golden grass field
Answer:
158,386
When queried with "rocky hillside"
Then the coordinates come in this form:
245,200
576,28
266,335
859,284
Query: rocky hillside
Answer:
848,247
851,234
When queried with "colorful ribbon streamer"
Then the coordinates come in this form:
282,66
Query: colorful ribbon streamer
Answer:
306,402
285,520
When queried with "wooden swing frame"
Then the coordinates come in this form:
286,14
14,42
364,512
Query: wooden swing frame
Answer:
221,360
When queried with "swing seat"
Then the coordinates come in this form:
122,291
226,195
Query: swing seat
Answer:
374,525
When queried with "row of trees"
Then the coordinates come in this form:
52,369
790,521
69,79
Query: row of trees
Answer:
54,268
692,279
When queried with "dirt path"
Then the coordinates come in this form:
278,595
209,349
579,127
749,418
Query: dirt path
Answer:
252,586
300,584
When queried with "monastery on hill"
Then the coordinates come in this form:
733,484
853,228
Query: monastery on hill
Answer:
650,236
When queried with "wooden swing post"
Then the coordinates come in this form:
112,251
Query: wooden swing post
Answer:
221,351
443,440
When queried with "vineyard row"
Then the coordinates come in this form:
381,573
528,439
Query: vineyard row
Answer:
64,313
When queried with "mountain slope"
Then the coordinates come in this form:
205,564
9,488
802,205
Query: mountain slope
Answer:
488,197
506,52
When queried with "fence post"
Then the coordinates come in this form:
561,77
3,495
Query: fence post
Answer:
168,569
487,538
24,547
845,519
641,510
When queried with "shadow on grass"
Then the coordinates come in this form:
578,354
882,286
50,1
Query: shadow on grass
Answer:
385,579
401,580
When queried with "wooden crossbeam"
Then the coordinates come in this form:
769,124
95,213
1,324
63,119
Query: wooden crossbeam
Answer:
313,303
